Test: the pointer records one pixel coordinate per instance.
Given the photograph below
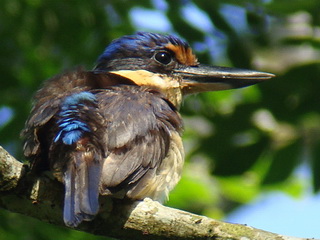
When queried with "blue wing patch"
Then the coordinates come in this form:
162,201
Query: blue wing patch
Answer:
71,126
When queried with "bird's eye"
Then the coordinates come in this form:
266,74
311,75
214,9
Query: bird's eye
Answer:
163,57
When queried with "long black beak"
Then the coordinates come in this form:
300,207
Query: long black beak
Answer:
204,78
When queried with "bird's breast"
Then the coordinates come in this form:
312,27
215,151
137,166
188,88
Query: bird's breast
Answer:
157,183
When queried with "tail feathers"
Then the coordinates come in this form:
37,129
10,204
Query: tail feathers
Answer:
81,180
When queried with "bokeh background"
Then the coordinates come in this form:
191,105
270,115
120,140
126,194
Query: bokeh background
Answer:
253,155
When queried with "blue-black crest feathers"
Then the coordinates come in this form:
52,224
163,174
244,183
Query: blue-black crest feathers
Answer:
140,47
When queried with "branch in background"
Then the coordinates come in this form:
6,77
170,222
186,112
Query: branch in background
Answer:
43,198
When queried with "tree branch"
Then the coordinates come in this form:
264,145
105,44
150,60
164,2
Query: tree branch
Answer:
42,199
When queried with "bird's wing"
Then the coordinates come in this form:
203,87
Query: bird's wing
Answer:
61,135
78,151
139,131
46,104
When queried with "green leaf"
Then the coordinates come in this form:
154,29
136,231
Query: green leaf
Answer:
284,161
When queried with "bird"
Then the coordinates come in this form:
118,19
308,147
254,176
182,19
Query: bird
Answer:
116,130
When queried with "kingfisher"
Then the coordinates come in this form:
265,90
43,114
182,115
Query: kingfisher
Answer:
116,130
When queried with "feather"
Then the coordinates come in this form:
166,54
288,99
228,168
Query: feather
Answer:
81,181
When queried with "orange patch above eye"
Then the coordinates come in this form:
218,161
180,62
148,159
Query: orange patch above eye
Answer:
184,55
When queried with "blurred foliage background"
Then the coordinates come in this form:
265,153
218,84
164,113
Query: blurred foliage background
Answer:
239,143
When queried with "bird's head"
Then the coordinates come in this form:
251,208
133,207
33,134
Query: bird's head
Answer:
167,63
